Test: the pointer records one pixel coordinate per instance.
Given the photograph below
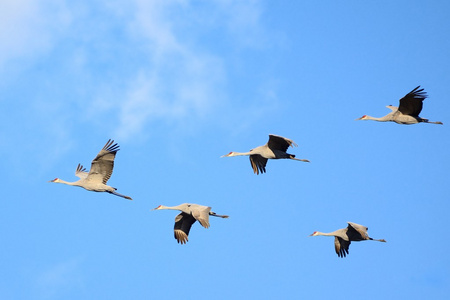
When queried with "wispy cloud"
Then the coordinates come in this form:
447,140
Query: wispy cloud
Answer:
124,66
60,279
178,81
19,20
186,94
27,28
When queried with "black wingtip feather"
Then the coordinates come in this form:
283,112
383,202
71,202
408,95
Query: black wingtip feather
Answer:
420,94
80,168
110,146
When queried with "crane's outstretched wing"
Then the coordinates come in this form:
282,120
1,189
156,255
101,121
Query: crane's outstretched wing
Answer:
258,163
102,165
202,215
393,108
341,246
81,172
277,142
412,103
357,232
183,223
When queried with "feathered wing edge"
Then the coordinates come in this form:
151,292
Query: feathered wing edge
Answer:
341,246
81,172
103,163
258,163
412,103
280,143
183,224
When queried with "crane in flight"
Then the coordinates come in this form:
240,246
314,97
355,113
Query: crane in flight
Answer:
101,170
408,111
189,214
274,149
343,237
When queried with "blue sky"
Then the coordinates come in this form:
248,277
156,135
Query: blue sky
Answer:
178,84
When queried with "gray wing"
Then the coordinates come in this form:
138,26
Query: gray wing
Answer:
201,214
277,142
183,223
412,103
258,163
393,108
341,246
356,232
102,165
81,172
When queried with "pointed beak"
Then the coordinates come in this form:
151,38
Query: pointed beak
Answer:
224,155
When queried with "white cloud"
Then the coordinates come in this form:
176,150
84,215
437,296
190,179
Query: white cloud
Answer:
134,63
27,26
243,19
18,20
60,279
178,81
184,91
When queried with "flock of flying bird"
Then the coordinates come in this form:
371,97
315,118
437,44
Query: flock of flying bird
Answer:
102,168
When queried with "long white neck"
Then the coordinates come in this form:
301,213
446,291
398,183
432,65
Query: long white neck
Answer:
178,207
382,119
241,153
325,233
75,183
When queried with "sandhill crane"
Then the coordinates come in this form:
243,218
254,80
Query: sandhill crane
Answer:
343,237
408,111
274,149
101,170
189,214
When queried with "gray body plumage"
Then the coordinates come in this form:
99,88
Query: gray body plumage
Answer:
343,237
101,170
190,213
275,148
408,111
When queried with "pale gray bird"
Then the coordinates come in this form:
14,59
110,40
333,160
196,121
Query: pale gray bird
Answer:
101,170
189,214
408,111
343,237
274,149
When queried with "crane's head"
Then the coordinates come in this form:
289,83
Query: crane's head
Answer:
156,208
55,180
229,154
314,233
363,118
